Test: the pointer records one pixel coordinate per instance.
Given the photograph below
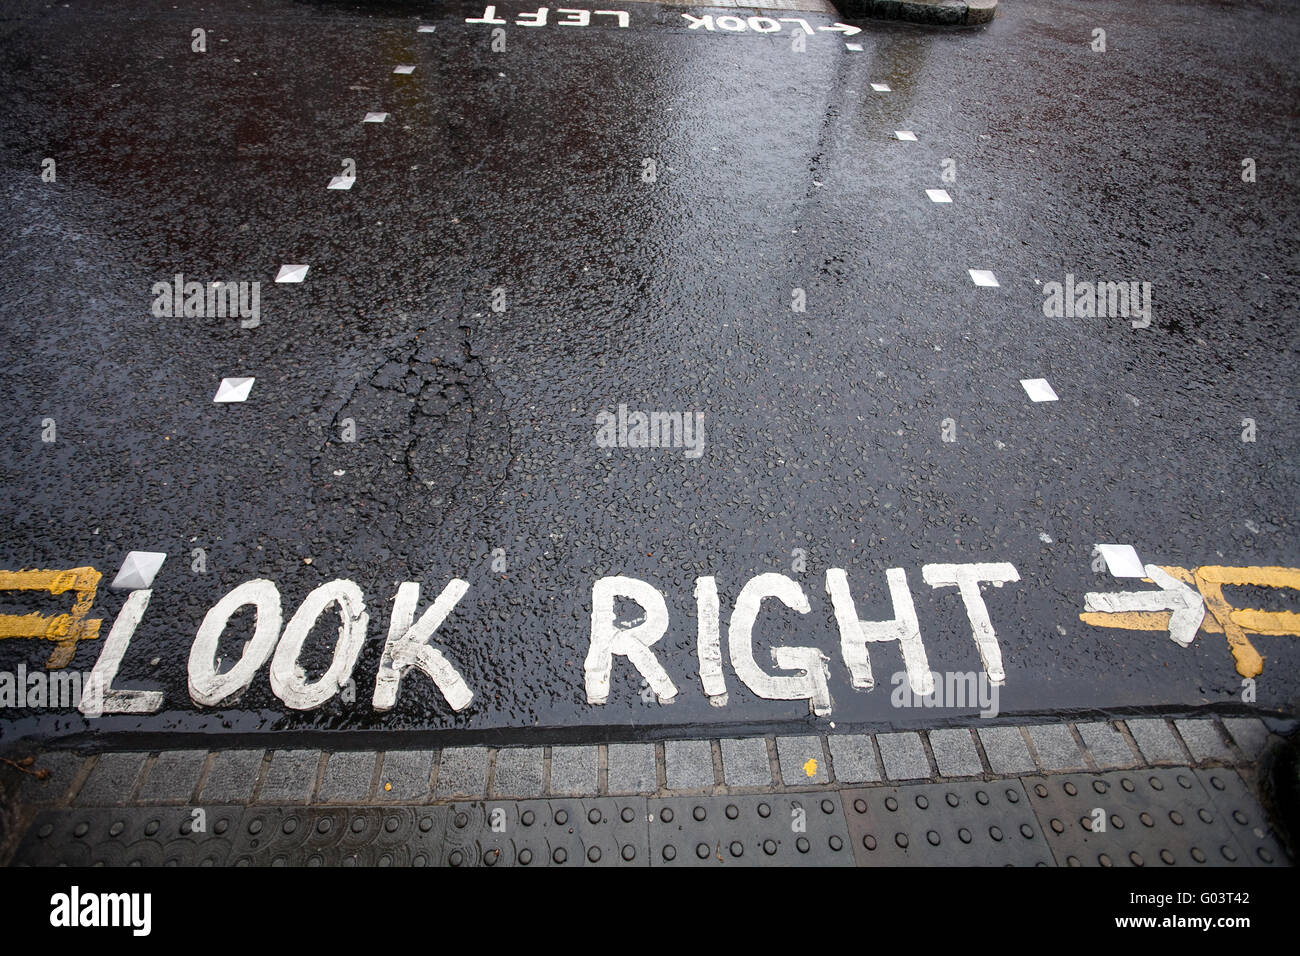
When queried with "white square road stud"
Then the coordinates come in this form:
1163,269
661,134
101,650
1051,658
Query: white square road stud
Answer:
983,277
1038,390
938,195
233,390
294,273
1122,560
138,570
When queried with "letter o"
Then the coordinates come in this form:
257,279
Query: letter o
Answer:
207,687
288,684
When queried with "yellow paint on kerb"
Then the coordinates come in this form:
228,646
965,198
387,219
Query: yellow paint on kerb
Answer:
65,630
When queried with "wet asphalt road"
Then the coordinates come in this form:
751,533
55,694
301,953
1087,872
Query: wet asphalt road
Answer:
776,170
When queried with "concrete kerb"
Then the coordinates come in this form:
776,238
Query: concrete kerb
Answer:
705,765
933,12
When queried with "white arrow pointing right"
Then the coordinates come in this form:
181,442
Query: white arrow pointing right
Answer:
844,28
1185,602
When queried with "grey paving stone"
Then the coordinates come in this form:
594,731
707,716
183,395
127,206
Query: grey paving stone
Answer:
794,754
1006,750
63,765
112,781
463,772
575,770
408,772
1156,741
1109,749
232,777
1204,740
903,755
519,772
854,758
631,769
1250,734
1056,746
955,753
173,776
688,764
348,776
745,763
291,778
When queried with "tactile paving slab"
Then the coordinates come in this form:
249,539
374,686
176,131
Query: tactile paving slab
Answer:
1154,817
608,831
136,836
1167,816
1239,810
945,824
365,836
796,829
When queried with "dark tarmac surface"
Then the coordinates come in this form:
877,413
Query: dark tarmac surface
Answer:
475,428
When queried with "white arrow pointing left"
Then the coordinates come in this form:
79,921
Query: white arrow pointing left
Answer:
844,28
1185,602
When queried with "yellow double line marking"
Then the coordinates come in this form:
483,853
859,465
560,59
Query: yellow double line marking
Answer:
65,630
1223,618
